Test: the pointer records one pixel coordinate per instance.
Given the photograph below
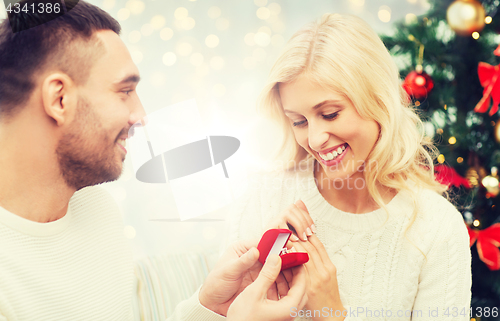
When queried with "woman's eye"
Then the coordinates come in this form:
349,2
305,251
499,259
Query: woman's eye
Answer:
127,92
331,116
299,123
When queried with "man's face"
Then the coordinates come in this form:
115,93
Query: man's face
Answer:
92,149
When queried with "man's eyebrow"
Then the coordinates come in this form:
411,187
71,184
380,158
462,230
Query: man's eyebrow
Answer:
321,104
129,79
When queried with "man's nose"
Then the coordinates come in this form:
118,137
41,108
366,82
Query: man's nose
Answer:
138,114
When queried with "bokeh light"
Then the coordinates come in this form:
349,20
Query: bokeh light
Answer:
184,49
263,13
106,5
196,59
219,90
358,3
410,18
158,22
262,39
249,39
129,232
137,56
259,55
475,35
181,13
277,40
123,14
166,34
135,6
214,12
147,29
222,24
384,14
274,8
169,58
217,63
134,36
212,41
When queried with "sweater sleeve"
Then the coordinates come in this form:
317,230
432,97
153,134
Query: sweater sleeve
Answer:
192,310
444,289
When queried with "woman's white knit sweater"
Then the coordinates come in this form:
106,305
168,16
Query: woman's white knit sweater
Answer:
381,275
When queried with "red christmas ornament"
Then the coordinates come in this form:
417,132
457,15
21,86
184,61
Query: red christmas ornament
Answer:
418,84
488,76
488,241
447,175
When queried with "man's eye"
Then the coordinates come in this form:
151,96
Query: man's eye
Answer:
127,92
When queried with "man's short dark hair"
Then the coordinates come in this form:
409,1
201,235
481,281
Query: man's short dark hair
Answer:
66,43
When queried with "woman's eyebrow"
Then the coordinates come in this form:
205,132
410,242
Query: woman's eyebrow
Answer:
321,104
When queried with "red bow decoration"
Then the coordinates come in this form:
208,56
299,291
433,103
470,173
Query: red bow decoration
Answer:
488,76
447,175
488,241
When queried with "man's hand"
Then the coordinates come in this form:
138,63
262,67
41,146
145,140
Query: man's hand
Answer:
252,303
237,268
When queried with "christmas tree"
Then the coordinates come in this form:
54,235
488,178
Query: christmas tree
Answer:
439,54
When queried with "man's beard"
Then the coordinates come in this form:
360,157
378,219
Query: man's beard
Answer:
85,153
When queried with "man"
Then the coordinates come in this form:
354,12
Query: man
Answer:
67,102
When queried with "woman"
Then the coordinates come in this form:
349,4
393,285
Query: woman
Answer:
360,192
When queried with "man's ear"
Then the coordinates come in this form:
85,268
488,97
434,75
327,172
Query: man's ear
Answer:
59,97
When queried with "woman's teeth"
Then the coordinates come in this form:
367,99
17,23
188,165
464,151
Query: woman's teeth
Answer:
334,154
122,142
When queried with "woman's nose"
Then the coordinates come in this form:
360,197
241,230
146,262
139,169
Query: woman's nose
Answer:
318,136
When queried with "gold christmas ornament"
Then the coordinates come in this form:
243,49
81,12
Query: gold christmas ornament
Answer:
491,182
466,17
497,132
474,177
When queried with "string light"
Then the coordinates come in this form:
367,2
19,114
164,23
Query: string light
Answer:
476,223
441,159
460,160
452,140
475,35
487,20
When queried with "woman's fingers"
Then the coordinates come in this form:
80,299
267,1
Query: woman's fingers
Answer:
303,207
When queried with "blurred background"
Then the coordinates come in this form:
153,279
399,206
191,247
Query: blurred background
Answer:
220,52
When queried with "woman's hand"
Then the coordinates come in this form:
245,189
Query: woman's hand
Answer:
297,217
323,288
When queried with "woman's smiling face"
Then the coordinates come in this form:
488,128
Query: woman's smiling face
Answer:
328,127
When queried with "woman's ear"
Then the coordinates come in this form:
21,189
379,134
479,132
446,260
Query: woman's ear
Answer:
59,97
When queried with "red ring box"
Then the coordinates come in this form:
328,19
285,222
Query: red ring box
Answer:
273,242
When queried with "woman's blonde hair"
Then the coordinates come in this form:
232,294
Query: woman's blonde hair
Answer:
343,54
